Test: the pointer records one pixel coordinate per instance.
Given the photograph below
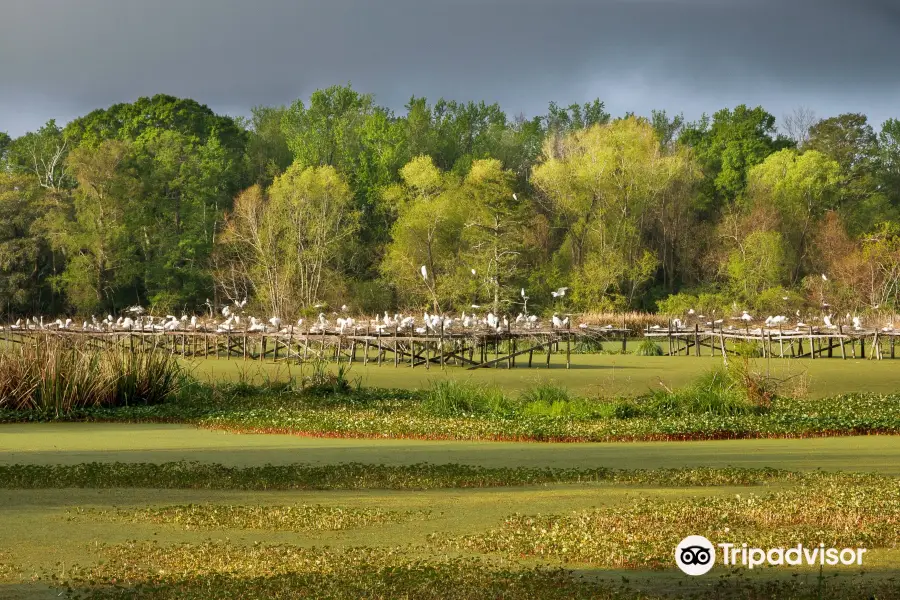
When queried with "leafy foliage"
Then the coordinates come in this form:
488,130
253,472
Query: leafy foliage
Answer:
162,202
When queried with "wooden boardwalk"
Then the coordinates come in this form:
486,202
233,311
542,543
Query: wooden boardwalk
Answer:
474,349
779,343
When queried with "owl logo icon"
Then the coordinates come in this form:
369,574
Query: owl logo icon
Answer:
695,555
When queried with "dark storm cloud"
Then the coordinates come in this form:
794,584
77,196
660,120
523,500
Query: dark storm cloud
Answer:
61,58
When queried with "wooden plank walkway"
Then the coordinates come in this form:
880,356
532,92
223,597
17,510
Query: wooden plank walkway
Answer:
471,349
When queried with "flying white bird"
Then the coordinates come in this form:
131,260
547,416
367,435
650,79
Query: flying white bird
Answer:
560,292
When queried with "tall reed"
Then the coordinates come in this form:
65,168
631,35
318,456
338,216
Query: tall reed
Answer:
53,375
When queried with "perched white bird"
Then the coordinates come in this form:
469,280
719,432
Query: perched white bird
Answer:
424,272
691,311
557,322
746,317
857,323
275,322
473,271
824,278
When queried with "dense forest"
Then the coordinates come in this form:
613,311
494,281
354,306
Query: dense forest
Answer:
338,200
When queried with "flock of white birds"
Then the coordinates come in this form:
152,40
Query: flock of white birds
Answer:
778,322
233,319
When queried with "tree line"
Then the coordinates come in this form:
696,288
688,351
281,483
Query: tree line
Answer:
338,200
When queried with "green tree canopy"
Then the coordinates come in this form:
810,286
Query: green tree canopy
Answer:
728,146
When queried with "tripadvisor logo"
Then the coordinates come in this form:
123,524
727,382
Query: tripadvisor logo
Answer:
696,555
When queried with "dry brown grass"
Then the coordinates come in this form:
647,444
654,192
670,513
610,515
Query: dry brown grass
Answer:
53,375
632,320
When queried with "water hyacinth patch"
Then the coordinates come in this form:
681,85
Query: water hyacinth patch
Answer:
357,476
220,570
272,518
844,511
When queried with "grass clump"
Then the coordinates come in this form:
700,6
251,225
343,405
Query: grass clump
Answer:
553,401
56,376
648,347
271,518
731,391
717,392
452,398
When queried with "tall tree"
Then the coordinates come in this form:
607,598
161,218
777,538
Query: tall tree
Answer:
184,191
494,229
600,185
362,141
291,242
797,125
43,153
888,173
21,245
102,268
267,154
5,141
801,188
849,140
728,146
427,233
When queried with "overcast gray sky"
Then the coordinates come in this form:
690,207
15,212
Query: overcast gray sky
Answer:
61,58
